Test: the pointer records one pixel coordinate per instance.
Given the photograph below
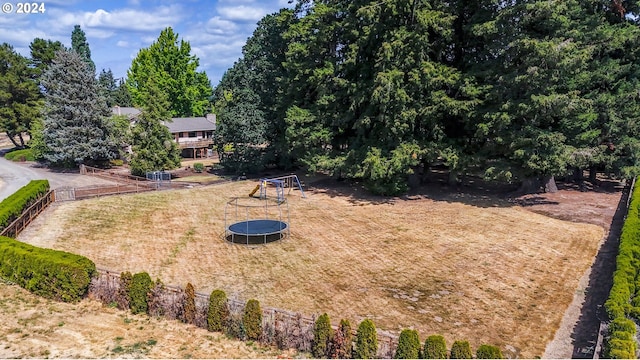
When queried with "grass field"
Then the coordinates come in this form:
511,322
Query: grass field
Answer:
495,274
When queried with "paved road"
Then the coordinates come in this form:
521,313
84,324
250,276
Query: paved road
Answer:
14,175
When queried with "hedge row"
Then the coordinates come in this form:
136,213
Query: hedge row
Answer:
13,206
20,155
624,297
49,273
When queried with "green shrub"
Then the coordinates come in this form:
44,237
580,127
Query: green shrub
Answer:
408,345
198,167
489,352
141,285
13,206
366,340
116,162
20,155
620,342
48,273
218,312
435,347
189,304
322,335
624,289
461,350
252,320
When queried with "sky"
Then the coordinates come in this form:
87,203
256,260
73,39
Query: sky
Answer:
117,29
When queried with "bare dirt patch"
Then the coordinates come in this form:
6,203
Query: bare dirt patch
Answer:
468,266
33,327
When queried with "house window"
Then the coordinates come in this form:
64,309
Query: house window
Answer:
209,134
180,134
192,134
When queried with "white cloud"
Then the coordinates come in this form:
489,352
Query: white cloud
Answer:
131,19
218,26
123,43
242,13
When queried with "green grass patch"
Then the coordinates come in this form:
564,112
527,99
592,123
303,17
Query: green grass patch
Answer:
20,155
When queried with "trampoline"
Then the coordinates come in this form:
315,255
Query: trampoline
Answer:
251,221
256,231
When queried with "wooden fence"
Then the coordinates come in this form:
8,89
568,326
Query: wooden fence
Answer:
123,184
285,329
28,215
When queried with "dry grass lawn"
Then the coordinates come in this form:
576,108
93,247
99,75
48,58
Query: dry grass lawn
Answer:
33,327
498,274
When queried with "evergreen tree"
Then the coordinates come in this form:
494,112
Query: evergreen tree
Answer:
174,69
366,340
408,345
20,101
435,347
252,320
461,350
121,96
75,128
108,86
80,45
218,312
152,143
42,54
322,335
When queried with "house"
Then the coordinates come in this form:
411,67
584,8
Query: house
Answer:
194,135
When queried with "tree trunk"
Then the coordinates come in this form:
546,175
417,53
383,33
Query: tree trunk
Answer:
21,140
453,178
577,175
530,185
592,175
13,140
550,184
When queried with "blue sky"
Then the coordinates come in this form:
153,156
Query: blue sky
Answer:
117,30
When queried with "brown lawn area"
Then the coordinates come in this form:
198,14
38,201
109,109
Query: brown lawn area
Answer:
33,327
485,271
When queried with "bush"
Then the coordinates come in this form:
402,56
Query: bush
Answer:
13,206
489,352
48,273
20,155
123,298
435,347
252,320
461,350
322,334
116,162
620,342
408,345
189,304
198,167
341,345
141,285
624,289
218,313
366,340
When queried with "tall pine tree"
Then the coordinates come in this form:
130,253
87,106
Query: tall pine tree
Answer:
76,127
80,45
20,101
153,146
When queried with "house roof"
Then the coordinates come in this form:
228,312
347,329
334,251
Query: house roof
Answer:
201,123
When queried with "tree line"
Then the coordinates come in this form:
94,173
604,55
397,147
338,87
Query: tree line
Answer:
55,97
378,91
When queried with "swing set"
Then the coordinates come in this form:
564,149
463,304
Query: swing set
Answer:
280,183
